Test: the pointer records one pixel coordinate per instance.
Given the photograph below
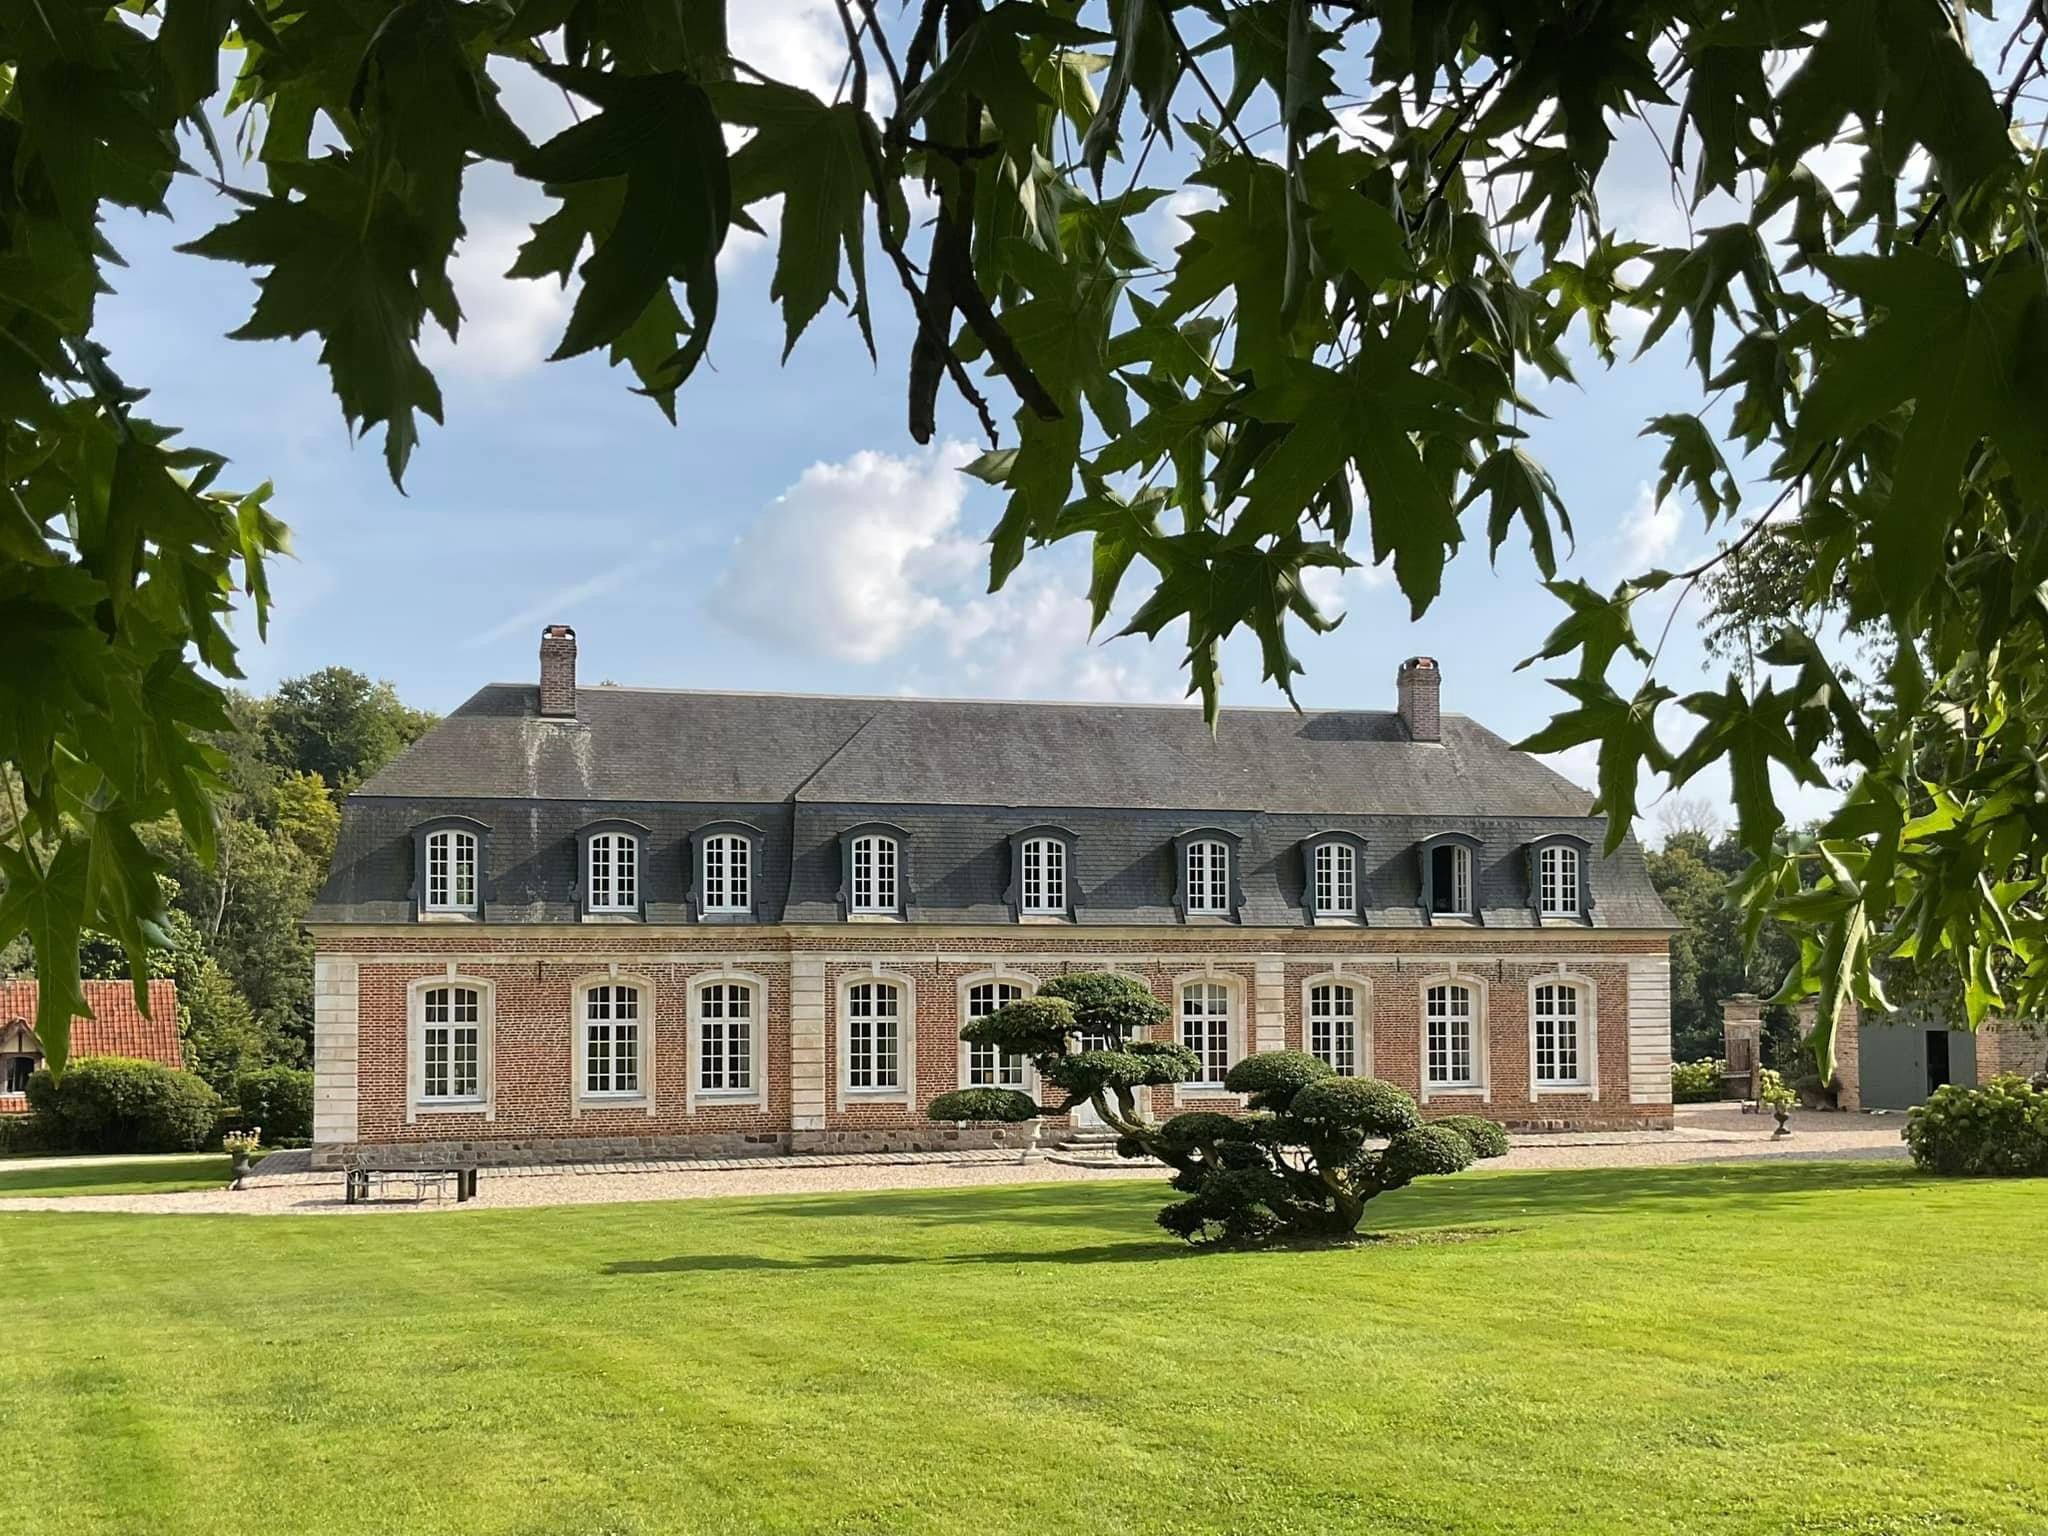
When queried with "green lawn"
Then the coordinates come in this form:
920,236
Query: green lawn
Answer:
1841,1348
136,1176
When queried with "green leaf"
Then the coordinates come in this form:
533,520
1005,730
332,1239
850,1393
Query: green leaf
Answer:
1694,460
660,134
49,905
1519,487
1597,627
1749,735
1626,730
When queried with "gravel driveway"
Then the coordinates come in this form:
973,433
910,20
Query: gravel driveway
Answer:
1704,1133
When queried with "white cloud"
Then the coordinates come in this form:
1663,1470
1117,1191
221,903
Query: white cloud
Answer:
799,42
1169,220
509,324
1580,764
1650,530
867,561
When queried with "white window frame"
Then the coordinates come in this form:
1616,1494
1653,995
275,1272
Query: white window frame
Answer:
757,1062
1340,881
1050,877
883,876
616,882
1233,1034
1361,1020
1479,1085
904,1089
483,1102
581,1098
1463,881
452,841
735,884
1027,986
1560,892
1587,1083
1210,895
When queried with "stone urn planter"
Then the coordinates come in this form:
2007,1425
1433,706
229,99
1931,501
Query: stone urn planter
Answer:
1782,1113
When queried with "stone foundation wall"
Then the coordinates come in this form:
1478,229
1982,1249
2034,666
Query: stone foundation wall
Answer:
522,1152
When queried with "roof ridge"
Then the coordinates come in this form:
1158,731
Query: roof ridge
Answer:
923,698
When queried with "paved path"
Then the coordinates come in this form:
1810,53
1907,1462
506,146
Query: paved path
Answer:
1704,1133
100,1160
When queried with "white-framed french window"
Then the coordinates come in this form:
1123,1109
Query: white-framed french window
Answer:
877,1037
450,884
1209,1018
1450,876
611,875
983,1066
614,1036
1558,882
1206,877
1564,1035
1454,1040
728,1038
872,882
1336,879
1042,877
1336,1015
450,1062
726,876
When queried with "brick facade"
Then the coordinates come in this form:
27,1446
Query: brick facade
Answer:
368,981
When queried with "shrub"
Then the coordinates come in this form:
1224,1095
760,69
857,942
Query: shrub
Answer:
1696,1082
1364,1105
279,1099
1999,1129
27,1133
1430,1149
1273,1078
1005,1104
1485,1137
115,1104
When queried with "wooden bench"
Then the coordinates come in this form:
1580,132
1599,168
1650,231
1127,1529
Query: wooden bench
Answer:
364,1183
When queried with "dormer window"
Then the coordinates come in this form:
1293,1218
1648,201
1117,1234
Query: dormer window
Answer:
728,873
1208,876
611,871
1332,865
1557,880
1450,876
451,871
872,877
1043,877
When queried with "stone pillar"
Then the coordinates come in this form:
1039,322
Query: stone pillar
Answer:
1742,1018
1269,1004
335,1025
807,1043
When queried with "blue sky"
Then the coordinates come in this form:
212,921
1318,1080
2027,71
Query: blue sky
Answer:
787,534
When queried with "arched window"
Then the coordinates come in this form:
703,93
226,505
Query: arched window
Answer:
1450,880
1042,878
1557,880
726,1021
1559,1054
1451,1037
1333,1019
871,882
614,1038
1336,879
452,1020
986,1066
728,875
451,871
1205,1028
612,872
1208,876
874,1037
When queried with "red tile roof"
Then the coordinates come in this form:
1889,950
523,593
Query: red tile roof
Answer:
117,1027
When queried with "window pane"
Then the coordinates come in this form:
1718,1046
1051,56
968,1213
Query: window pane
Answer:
874,874
1205,1028
1450,1041
725,1037
986,1068
872,1041
611,1039
1208,877
1557,1034
1336,878
1450,879
1333,1026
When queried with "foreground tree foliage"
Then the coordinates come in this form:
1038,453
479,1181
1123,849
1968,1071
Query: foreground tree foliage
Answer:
1298,1164
1398,209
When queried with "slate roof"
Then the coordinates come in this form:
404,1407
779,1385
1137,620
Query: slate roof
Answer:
960,777
117,1027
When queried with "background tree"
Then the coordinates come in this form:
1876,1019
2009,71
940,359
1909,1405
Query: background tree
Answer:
1404,211
338,725
1710,960
1296,1165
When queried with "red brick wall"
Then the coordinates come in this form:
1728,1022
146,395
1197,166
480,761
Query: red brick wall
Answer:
533,976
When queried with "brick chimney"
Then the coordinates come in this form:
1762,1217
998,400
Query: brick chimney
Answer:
558,672
1416,687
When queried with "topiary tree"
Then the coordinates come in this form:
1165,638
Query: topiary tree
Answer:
1296,1164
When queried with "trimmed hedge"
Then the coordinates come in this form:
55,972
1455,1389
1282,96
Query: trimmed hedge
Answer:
1487,1138
279,1099
1998,1130
118,1104
1004,1104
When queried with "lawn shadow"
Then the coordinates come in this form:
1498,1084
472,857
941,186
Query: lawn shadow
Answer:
720,1263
